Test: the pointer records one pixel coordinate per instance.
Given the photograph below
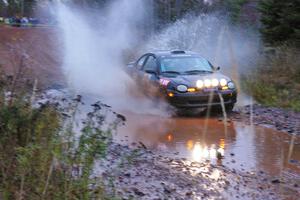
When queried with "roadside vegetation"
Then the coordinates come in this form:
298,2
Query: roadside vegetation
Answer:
41,156
275,81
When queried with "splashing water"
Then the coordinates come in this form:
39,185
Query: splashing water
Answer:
224,114
94,48
232,48
93,51
212,36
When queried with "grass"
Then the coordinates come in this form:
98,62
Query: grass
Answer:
276,80
40,155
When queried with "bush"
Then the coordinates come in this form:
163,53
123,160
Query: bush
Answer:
26,144
40,155
276,80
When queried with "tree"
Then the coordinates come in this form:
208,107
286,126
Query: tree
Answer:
170,10
11,8
234,8
280,21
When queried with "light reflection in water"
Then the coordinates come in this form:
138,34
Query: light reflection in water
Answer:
189,145
216,174
244,148
203,152
170,137
200,152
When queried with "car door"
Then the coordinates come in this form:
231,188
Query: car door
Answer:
138,73
150,75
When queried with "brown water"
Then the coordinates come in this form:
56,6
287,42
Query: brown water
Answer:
244,147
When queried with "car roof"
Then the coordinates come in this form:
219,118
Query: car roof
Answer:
173,52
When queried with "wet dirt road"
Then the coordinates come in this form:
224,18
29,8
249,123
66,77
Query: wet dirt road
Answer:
258,162
244,147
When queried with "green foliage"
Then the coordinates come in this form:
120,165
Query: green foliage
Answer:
27,7
234,7
276,81
26,143
281,21
167,11
42,157
241,12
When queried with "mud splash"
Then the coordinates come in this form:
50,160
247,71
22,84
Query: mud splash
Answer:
95,44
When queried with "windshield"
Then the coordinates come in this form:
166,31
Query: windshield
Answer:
185,65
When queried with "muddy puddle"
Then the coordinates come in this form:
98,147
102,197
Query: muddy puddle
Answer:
241,147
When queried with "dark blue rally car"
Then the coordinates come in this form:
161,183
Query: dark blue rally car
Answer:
184,78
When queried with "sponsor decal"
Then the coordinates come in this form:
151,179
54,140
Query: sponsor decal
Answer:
164,82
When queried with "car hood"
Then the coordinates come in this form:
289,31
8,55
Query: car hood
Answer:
191,79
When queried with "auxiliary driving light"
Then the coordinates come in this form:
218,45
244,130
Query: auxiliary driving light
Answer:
207,83
199,84
214,82
223,82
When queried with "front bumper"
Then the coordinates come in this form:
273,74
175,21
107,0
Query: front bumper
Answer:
201,99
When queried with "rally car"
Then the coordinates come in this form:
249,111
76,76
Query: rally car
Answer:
185,79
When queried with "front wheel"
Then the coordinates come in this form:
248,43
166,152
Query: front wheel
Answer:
229,107
189,112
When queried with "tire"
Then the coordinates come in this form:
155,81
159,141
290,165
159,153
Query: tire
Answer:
219,110
229,107
189,112
180,112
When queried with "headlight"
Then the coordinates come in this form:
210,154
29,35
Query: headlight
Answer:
214,82
231,85
223,82
181,88
199,84
207,83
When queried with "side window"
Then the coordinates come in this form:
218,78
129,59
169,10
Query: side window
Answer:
150,64
141,62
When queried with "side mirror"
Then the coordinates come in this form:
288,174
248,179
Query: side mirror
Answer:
217,68
131,64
